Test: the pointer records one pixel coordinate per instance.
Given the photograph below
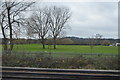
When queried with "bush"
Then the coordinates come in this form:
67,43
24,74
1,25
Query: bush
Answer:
77,62
106,42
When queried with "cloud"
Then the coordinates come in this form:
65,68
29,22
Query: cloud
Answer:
89,18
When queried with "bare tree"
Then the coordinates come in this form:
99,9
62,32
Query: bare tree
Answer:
97,38
91,43
58,17
38,24
94,40
10,19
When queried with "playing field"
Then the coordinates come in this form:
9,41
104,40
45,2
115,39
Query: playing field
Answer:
66,48
65,56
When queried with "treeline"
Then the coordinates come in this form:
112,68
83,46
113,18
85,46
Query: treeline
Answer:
86,41
21,41
59,41
65,41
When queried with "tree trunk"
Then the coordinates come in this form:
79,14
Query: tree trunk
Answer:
4,40
11,46
43,42
10,26
54,43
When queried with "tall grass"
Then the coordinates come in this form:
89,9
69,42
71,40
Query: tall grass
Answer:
76,62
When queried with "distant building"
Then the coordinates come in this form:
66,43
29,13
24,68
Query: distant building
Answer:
117,44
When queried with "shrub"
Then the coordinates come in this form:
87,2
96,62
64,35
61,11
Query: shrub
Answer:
77,62
106,42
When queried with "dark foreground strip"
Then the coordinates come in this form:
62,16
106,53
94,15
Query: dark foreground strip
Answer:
13,73
62,70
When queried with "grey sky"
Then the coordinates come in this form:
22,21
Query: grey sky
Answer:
89,18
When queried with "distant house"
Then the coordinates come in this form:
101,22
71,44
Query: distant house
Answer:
117,44
8,43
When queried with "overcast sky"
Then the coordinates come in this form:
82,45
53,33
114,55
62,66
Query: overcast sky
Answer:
89,18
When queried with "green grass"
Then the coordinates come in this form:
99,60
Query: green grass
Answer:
65,56
66,49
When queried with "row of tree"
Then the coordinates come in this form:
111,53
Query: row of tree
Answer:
87,41
47,21
66,41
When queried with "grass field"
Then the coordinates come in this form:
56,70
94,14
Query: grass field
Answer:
65,56
66,48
